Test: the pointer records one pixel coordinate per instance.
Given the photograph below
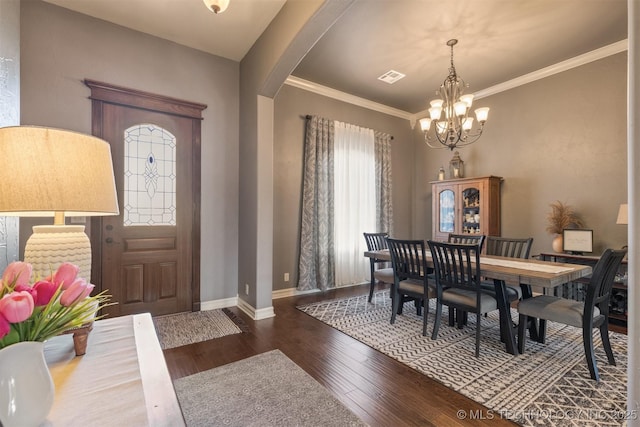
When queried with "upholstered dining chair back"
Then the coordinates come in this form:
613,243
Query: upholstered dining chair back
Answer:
377,242
468,239
458,283
509,247
408,258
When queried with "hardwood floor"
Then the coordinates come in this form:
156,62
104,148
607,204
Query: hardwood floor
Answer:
380,390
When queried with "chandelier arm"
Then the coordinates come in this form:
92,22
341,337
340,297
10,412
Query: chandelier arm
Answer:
427,140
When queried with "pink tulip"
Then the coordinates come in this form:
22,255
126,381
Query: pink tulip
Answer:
78,291
5,327
65,274
17,306
44,291
26,288
17,271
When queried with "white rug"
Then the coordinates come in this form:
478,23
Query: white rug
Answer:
548,385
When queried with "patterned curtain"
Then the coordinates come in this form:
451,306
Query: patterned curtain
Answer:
316,264
384,205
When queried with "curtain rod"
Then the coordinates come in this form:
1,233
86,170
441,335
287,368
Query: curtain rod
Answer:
308,117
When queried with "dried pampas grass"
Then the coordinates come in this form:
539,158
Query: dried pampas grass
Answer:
562,216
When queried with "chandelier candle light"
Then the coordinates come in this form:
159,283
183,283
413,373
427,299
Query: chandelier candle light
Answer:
455,129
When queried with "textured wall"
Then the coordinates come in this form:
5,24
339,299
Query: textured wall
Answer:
9,108
61,48
559,138
291,107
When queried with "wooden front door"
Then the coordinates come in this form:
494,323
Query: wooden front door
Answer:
148,256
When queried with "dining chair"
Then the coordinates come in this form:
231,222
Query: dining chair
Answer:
408,258
377,242
591,313
458,283
468,239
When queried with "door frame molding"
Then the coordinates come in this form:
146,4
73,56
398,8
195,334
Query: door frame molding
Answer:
105,93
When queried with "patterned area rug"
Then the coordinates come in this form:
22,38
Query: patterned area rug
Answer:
548,385
187,328
264,390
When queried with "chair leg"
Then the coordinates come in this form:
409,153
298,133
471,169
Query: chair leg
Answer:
460,318
425,314
394,305
452,316
418,304
478,322
373,281
436,321
604,334
587,338
542,330
522,334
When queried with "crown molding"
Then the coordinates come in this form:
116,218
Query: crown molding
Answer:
345,97
577,61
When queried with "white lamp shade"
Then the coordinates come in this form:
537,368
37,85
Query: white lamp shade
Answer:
51,170
467,99
435,113
623,214
425,124
461,108
482,114
437,103
467,123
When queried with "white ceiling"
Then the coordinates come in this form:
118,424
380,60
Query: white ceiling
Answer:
498,39
188,22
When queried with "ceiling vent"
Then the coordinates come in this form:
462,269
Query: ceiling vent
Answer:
391,76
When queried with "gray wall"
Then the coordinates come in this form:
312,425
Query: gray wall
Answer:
291,105
559,138
60,48
9,109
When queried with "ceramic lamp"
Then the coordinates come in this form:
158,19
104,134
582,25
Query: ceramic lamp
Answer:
56,173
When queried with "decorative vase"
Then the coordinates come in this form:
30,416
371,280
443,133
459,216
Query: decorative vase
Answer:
26,387
556,245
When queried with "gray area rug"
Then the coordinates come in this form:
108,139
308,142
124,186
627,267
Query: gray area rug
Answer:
187,328
548,385
264,390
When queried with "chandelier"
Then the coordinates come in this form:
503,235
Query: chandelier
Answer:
455,128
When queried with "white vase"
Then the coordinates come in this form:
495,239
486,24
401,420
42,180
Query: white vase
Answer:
556,245
26,387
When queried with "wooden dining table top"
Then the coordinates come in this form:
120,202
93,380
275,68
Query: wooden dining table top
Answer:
532,272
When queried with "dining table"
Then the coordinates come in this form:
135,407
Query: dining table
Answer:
525,273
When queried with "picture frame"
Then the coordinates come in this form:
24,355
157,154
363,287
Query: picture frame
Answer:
577,241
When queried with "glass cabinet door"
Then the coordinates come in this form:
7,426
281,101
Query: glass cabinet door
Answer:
471,211
447,211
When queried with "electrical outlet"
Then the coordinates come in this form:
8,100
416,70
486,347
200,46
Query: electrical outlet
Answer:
286,277
246,289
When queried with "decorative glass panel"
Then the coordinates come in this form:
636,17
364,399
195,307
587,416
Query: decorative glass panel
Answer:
149,176
471,210
447,211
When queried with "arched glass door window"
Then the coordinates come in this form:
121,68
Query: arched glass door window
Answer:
149,176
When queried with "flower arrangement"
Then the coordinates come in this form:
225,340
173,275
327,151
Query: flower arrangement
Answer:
562,216
48,307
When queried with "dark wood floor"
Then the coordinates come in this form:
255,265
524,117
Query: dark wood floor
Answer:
381,391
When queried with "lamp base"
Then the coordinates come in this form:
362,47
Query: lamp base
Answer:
51,245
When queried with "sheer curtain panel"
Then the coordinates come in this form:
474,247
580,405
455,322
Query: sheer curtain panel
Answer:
354,200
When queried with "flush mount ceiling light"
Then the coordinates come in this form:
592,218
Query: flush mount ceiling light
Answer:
455,129
216,6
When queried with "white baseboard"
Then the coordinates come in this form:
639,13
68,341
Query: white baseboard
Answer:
263,313
291,292
218,303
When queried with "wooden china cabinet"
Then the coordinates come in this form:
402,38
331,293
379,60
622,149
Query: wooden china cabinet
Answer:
466,205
